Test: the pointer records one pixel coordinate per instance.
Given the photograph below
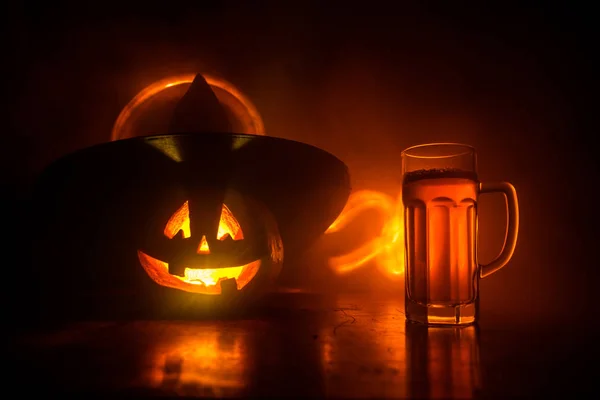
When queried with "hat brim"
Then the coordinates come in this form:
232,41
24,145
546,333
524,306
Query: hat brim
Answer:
120,185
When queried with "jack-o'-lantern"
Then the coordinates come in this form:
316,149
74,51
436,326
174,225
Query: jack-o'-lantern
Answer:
197,260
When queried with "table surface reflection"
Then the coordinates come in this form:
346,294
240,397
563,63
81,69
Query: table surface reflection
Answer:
351,346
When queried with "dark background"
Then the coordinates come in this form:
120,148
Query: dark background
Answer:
362,81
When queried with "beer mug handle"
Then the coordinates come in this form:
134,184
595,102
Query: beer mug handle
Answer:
512,226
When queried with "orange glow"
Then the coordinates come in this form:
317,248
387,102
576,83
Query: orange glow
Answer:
196,280
228,95
387,249
203,248
197,360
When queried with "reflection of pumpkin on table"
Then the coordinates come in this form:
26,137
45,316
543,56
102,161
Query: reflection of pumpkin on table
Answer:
199,362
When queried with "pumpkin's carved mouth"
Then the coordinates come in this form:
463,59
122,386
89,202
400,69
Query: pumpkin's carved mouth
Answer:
206,280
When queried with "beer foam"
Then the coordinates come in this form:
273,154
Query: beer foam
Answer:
439,173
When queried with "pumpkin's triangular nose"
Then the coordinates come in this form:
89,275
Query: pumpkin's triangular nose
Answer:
203,247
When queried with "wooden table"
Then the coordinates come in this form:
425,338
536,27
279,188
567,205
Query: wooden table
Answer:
348,346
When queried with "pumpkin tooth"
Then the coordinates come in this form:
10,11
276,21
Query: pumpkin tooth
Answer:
228,286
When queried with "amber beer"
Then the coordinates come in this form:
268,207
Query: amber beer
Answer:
440,189
440,217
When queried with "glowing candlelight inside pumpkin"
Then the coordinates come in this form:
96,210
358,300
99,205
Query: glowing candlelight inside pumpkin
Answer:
196,280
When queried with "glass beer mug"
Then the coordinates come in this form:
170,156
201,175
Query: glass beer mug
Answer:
439,192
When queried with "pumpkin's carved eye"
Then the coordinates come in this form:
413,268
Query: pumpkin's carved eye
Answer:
180,221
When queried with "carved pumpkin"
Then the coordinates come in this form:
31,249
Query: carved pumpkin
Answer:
199,263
